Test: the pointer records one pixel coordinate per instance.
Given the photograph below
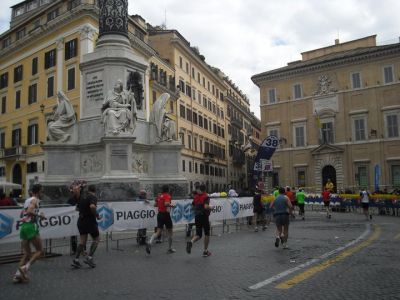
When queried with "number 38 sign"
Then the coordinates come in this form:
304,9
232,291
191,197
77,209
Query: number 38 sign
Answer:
265,151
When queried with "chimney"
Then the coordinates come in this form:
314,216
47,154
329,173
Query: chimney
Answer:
336,41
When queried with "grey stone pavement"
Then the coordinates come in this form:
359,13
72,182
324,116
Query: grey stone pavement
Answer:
239,260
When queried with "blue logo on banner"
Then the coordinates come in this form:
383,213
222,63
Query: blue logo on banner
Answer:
235,207
107,217
177,213
6,223
188,213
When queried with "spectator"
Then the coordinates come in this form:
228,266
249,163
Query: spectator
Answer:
5,201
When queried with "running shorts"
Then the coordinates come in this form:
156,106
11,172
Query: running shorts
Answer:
202,223
164,219
282,220
88,227
326,203
364,205
28,231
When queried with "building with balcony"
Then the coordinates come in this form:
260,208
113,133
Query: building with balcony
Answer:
337,114
242,126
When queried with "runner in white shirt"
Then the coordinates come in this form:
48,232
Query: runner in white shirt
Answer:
364,197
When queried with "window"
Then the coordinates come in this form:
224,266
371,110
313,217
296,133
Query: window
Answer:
195,144
200,121
33,134
16,137
198,77
36,23
201,145
199,96
181,86
6,42
73,3
395,174
299,132
180,62
52,15
189,114
31,167
182,111
17,99
356,80
34,65
392,125
327,132
190,167
189,141
3,80
18,73
20,34
71,49
183,165
71,79
19,10
50,86
195,168
301,177
201,169
205,101
362,175
297,93
205,123
194,94
188,90
182,138
271,96
193,73
388,74
50,59
3,104
2,139
194,118
187,68
32,5
32,93
359,129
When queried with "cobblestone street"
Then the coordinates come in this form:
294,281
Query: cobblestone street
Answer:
367,269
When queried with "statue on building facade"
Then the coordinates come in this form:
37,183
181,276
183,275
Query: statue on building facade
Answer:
62,119
119,111
165,125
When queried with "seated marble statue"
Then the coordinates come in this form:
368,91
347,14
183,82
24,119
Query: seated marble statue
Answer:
63,118
165,125
119,111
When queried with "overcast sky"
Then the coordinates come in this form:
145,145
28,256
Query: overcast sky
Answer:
247,37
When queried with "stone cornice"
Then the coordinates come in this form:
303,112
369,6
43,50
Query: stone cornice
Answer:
141,46
61,20
320,65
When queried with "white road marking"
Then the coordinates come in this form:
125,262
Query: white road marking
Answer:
310,262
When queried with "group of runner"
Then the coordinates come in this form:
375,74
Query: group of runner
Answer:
282,207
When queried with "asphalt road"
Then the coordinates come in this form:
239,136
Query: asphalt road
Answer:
345,257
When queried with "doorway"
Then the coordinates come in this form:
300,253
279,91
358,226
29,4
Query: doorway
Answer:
329,172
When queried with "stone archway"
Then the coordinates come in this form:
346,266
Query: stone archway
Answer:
329,172
336,162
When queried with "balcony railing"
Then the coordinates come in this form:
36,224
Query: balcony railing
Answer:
13,152
208,157
237,122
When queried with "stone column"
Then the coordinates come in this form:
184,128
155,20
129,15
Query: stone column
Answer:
87,40
147,93
60,63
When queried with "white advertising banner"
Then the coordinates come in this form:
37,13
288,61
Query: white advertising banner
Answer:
120,216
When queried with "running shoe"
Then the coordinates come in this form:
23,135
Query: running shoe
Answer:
76,264
206,253
17,278
277,242
148,248
89,261
23,272
189,247
256,229
285,246
171,250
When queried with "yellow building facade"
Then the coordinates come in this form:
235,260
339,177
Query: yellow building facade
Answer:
41,54
336,113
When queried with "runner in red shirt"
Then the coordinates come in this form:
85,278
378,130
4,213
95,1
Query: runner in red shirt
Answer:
292,199
326,197
163,202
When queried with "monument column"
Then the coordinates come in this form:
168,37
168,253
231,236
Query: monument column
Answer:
60,62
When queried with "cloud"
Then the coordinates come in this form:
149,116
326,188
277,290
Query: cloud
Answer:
246,37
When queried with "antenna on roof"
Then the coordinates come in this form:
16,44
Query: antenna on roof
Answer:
164,25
